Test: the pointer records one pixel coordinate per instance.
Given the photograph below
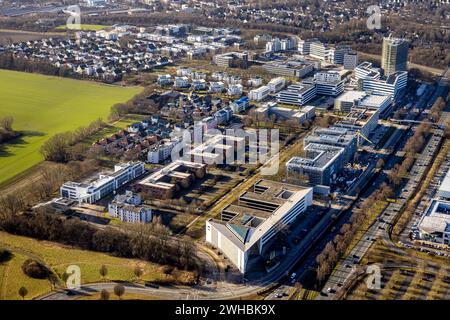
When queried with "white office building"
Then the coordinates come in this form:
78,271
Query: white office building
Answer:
276,84
297,94
259,94
248,227
434,226
103,185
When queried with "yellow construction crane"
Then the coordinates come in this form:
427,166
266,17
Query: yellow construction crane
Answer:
359,135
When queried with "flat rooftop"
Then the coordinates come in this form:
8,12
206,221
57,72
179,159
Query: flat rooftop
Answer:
437,218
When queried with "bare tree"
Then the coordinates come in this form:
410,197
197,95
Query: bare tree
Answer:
23,292
104,294
103,271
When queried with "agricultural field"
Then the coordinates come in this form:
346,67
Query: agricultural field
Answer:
43,106
86,27
58,257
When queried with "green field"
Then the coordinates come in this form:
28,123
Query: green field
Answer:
42,106
87,27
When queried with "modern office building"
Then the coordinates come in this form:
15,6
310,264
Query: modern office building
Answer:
321,163
327,83
434,226
276,84
128,208
291,68
260,93
325,52
336,137
232,60
394,56
164,183
361,99
100,186
249,226
394,85
297,94
350,60
304,46
360,119
365,70
444,188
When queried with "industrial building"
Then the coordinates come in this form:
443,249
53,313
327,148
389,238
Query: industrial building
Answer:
102,185
248,226
434,226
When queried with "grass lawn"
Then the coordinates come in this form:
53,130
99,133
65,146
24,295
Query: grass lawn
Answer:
86,27
42,106
59,257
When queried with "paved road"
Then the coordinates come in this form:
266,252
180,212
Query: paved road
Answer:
381,226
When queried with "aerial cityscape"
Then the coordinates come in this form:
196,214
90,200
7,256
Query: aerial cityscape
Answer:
224,150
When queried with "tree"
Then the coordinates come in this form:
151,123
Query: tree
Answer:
6,123
103,271
104,294
23,292
119,290
138,272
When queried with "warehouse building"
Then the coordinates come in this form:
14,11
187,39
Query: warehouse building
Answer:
248,226
293,69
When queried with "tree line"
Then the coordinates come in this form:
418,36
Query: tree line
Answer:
148,242
335,249
63,147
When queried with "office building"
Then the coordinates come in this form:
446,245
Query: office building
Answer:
304,46
297,94
100,186
249,226
335,137
259,94
350,60
394,56
292,68
394,85
276,84
232,60
321,163
128,208
164,183
359,119
444,188
434,225
361,99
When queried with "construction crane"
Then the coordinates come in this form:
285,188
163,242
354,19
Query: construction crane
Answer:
359,135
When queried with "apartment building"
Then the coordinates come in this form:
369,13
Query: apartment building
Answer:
128,208
232,60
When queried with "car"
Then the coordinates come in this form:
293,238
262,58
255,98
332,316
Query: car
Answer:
293,275
331,290
279,295
348,265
